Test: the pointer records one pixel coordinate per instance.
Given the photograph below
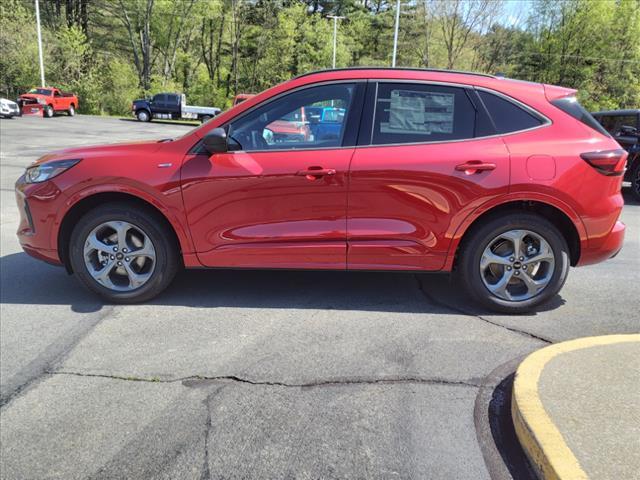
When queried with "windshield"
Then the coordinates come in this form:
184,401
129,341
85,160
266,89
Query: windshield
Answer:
40,91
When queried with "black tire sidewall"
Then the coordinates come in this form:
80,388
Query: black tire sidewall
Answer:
166,255
143,112
471,253
635,181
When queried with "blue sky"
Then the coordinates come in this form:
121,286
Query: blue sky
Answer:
516,11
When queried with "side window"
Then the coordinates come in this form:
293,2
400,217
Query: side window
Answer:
608,122
507,116
159,98
623,120
411,113
311,118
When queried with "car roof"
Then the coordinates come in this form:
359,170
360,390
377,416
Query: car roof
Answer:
406,69
629,111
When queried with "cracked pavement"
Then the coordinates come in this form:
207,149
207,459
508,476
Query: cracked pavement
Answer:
248,374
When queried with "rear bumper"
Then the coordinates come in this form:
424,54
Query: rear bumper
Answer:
608,247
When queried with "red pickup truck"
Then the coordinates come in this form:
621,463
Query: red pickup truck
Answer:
46,101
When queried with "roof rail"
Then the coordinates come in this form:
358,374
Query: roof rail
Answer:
439,70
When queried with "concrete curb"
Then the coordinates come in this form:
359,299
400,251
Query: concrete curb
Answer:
541,440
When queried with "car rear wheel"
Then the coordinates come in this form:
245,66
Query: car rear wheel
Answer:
205,118
71,111
635,179
514,262
143,116
123,253
48,111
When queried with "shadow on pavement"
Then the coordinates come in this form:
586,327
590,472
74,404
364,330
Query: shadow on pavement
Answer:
28,281
504,434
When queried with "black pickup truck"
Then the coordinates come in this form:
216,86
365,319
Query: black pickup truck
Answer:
624,126
172,106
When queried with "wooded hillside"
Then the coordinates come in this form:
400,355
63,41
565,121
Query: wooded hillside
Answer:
112,51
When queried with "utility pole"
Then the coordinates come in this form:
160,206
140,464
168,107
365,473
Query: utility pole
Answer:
40,44
395,34
335,35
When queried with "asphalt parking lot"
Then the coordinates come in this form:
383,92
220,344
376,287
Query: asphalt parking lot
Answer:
246,374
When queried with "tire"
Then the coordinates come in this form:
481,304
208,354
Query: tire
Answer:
72,110
521,297
48,111
205,118
635,179
143,116
142,221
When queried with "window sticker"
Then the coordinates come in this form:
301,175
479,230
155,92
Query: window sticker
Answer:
412,112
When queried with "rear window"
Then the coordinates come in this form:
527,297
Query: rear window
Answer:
571,106
507,116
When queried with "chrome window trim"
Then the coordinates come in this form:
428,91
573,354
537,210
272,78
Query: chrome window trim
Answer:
546,120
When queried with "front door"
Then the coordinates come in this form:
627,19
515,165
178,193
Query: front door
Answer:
421,170
278,198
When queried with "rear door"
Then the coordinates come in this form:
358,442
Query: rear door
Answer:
159,103
420,168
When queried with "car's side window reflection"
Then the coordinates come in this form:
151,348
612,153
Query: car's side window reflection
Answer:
314,117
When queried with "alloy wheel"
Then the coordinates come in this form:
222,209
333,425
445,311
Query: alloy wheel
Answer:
517,265
119,256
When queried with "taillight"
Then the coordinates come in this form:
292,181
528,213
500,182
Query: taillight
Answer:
607,162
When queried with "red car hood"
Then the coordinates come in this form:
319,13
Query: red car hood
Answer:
32,95
101,151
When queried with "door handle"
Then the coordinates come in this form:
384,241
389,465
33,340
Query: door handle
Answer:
315,173
475,166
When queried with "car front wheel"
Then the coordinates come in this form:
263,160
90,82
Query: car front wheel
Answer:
514,262
71,111
143,116
48,111
123,253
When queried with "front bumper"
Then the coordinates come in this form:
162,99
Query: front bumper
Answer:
38,206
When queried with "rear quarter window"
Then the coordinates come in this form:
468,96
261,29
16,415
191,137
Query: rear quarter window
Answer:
506,115
571,106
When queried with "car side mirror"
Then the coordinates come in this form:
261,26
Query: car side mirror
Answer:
216,141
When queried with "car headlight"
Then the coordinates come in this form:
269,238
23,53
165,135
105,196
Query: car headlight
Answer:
46,171
42,101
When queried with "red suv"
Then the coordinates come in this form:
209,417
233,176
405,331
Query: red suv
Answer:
503,183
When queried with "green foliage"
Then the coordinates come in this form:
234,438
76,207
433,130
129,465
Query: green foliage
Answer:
112,51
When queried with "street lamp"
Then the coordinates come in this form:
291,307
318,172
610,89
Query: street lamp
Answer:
40,43
395,34
335,35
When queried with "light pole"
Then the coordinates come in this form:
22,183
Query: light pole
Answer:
335,35
40,43
395,34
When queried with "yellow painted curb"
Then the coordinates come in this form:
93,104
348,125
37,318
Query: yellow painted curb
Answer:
542,441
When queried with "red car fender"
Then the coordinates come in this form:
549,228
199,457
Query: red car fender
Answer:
457,231
175,218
